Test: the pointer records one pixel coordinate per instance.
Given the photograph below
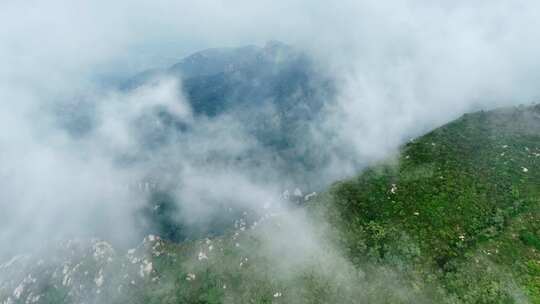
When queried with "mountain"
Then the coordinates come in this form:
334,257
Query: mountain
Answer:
222,79
270,96
461,203
274,93
453,219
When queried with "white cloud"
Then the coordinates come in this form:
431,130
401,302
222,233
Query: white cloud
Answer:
402,68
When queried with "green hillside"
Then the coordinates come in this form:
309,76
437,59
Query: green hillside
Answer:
467,195
454,218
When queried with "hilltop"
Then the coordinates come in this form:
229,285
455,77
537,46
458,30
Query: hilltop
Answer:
461,203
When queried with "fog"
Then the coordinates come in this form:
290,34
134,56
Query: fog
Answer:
400,70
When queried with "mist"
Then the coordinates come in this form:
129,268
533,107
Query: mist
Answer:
399,69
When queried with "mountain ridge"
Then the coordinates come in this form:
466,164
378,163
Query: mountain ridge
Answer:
454,220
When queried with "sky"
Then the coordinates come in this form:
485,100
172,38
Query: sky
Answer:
401,68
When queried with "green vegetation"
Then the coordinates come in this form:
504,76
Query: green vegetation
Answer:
467,194
453,219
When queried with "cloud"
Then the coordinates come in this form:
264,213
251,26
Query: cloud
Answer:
55,185
401,69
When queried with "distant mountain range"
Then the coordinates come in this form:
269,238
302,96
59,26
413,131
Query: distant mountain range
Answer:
275,93
222,79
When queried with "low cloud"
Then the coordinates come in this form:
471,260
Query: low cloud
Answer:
400,70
